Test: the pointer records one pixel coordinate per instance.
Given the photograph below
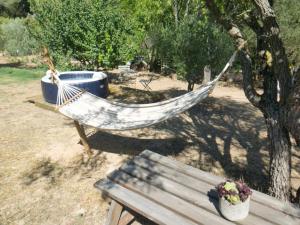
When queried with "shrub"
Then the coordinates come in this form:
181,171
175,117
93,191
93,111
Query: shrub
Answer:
191,46
92,32
200,43
15,37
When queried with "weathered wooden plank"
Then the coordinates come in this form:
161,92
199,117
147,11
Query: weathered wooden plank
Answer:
114,213
256,208
40,102
176,204
259,197
181,167
83,138
162,170
192,196
126,218
142,205
135,223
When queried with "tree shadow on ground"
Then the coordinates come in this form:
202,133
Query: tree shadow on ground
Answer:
119,144
53,172
125,78
218,126
225,134
131,95
12,64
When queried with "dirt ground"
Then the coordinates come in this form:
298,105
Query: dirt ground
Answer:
45,179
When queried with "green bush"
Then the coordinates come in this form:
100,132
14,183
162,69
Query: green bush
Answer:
109,32
184,45
289,20
90,31
15,37
191,46
200,43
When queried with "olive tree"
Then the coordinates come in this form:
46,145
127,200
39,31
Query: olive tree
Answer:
270,57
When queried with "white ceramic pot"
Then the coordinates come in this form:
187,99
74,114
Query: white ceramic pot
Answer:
234,212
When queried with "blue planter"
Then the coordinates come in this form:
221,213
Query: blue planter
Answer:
93,82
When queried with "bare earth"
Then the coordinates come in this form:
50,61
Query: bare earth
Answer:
45,178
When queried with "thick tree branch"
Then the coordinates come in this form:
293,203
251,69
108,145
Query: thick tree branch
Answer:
175,11
248,82
264,8
236,34
187,8
252,21
280,60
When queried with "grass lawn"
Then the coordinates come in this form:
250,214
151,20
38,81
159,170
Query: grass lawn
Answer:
11,74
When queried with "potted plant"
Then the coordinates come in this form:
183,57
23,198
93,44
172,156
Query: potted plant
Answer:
234,199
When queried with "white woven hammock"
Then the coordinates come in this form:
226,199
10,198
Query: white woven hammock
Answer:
102,114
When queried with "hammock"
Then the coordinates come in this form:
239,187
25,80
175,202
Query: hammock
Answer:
102,114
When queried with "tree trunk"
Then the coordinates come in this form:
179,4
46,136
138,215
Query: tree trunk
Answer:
293,119
187,7
190,85
280,158
175,12
263,22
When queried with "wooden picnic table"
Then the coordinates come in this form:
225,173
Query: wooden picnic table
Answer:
172,193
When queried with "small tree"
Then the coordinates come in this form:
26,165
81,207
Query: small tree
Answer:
15,37
199,43
178,34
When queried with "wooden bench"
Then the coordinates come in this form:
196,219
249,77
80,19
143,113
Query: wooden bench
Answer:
169,192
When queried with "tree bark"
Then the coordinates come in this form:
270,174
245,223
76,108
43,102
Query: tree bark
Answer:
275,112
280,158
190,85
175,11
293,118
187,8
280,61
278,135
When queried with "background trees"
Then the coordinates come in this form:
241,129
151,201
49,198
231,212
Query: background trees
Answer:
178,35
14,34
14,8
287,12
173,34
22,43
